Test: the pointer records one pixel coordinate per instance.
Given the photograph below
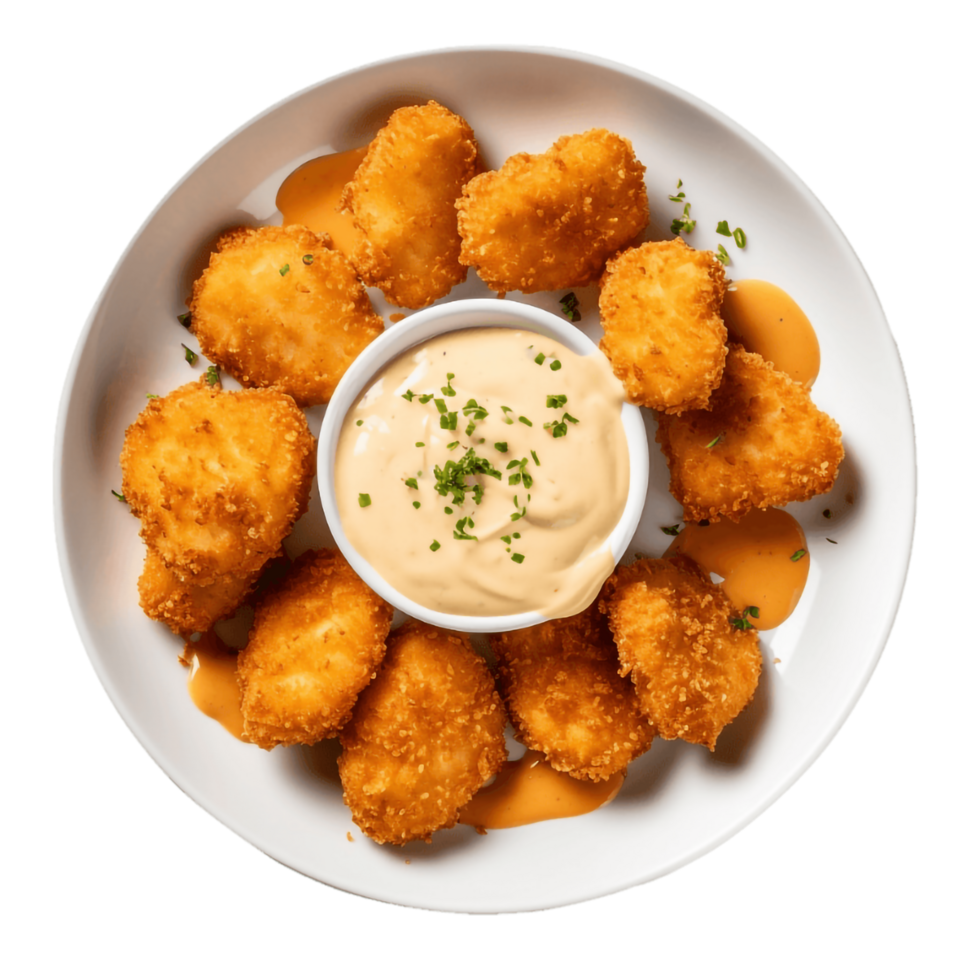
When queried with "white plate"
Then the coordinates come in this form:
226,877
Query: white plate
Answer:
678,801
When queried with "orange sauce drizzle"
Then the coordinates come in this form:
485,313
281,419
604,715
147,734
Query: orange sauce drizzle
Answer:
310,195
754,557
528,790
766,320
212,683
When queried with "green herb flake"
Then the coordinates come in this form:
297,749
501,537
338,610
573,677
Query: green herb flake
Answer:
441,406
211,375
714,442
118,496
505,538
150,397
189,355
739,236
742,622
797,555
416,504
684,223
534,456
516,557
461,534
307,260
525,420
831,540
448,421
722,229
408,395
517,534
448,390
501,447
723,257
555,401
284,269
569,307
673,530
412,483
184,319
359,422
364,499
556,365
425,399
539,359
420,445
477,411
453,445
447,510
435,546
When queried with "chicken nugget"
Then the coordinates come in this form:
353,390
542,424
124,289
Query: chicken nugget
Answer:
425,736
760,443
693,670
660,308
561,685
217,478
550,221
403,198
278,306
314,645
184,606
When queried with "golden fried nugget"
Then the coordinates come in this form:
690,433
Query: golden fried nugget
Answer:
760,443
315,644
694,672
565,697
425,736
278,306
184,606
550,221
217,478
403,198
660,308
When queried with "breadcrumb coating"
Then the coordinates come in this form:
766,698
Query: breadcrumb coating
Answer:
315,644
403,198
561,685
551,220
660,308
217,478
694,672
760,443
278,306
425,736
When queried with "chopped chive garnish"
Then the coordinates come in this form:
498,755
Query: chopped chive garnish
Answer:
420,445
307,260
416,504
451,478
408,395
680,183
501,447
189,355
460,534
448,390
556,365
555,401
569,307
517,534
441,406
184,320
118,496
448,421
831,540
525,420
453,444
539,359
364,499
435,546
149,396
676,198
723,257
684,223
521,476
412,482
722,229
447,510
359,422
673,530
505,538
739,237
797,555
714,442
742,622
211,375
471,428
517,558
284,269
477,411
534,456
425,399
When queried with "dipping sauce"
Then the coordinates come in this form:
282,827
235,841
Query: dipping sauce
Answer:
766,320
482,473
755,559
212,683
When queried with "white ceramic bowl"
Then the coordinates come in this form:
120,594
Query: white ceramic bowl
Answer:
417,329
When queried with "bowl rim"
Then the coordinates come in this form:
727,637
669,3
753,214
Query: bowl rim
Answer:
418,328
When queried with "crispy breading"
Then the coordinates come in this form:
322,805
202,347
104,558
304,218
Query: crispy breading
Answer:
561,685
760,443
660,308
184,606
217,478
550,221
425,736
694,672
278,306
315,643
403,198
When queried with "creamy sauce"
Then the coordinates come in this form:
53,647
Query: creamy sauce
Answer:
766,320
529,791
754,557
557,555
311,193
212,683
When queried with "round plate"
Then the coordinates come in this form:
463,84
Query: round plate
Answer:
678,801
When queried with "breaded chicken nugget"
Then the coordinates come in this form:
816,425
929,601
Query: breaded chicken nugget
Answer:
660,308
565,697
550,221
217,478
278,306
761,443
184,606
403,198
425,736
694,672
316,642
